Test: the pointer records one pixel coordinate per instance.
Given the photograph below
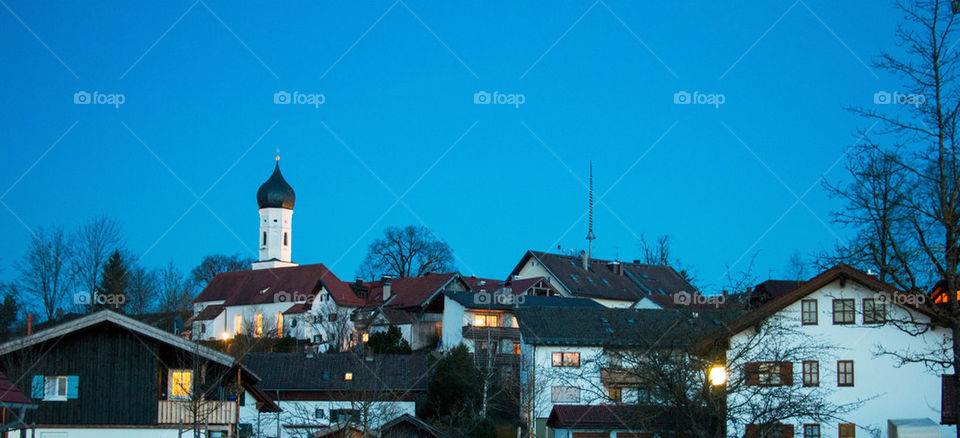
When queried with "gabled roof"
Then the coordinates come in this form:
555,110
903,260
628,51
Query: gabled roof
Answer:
107,316
10,396
771,289
408,292
209,313
421,425
518,286
274,285
600,281
840,271
394,316
617,326
634,418
325,372
470,301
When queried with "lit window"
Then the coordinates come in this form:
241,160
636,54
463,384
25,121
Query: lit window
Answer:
366,337
481,320
259,325
808,312
279,325
180,384
566,360
616,395
516,348
238,321
348,376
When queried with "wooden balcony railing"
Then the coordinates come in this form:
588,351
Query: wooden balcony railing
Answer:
205,412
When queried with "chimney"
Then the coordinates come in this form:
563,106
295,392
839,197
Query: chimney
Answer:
616,267
385,283
358,281
586,260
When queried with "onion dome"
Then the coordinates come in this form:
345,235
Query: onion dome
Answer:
276,193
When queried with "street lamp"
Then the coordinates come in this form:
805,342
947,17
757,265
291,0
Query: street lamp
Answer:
718,373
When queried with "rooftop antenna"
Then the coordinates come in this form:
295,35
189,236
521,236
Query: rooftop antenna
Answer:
590,235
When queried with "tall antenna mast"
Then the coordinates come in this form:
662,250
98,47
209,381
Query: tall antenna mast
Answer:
590,236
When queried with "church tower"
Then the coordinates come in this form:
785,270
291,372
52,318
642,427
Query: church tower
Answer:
275,198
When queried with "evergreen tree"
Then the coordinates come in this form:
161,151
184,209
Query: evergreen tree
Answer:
389,342
454,395
9,311
112,292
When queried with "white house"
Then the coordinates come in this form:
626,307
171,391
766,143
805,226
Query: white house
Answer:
851,311
318,392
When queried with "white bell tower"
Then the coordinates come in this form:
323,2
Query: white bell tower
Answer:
275,198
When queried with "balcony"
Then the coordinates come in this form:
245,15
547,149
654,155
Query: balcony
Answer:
205,411
495,333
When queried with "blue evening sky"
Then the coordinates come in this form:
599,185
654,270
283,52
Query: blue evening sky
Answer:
398,120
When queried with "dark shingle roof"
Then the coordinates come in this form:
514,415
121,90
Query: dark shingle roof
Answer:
600,281
635,418
771,289
496,302
617,327
409,292
325,372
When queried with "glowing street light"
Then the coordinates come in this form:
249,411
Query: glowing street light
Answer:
718,375
366,337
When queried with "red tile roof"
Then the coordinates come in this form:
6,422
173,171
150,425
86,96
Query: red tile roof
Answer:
9,394
262,286
408,291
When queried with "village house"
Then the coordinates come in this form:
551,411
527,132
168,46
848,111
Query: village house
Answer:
858,315
609,282
107,375
326,392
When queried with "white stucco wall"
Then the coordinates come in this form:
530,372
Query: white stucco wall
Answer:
452,330
909,391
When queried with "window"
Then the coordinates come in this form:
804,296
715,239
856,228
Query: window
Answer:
348,376
848,430
264,238
808,310
811,431
844,311
55,388
341,415
516,348
180,384
485,320
616,394
238,323
284,239
811,373
874,312
565,394
279,325
332,317
845,373
769,373
566,360
319,413
259,325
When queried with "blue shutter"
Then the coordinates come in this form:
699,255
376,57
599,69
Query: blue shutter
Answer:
73,383
36,389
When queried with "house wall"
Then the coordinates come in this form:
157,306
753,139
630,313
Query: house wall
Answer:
546,376
211,329
453,323
533,268
909,391
248,314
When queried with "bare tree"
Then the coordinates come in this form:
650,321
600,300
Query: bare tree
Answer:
335,324
176,292
142,290
796,267
44,269
212,265
93,243
406,252
659,253
911,233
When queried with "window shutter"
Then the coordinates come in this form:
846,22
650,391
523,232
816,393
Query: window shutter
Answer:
787,429
73,384
786,373
752,371
36,388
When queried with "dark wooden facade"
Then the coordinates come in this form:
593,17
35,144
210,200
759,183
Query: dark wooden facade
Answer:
122,376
